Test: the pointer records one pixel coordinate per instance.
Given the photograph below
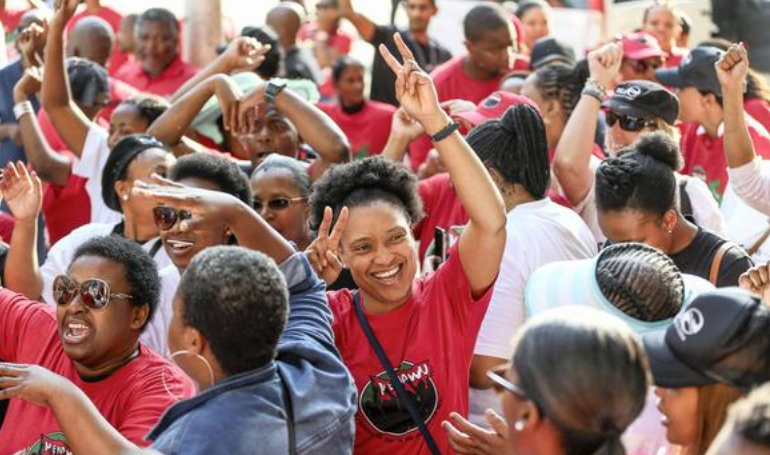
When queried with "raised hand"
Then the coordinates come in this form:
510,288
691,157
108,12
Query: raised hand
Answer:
732,68
31,43
604,63
245,54
31,383
22,191
757,281
64,10
247,110
466,438
323,253
29,84
405,126
229,95
414,89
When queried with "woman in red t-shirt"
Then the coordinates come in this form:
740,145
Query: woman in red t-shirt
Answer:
427,325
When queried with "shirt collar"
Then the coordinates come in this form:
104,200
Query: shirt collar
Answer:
720,131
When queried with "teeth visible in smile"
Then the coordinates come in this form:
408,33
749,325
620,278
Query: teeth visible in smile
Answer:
180,244
388,274
77,329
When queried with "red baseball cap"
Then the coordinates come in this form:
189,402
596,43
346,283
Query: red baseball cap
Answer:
494,106
639,46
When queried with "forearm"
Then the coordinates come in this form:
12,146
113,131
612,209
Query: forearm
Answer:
49,165
364,26
396,147
254,233
738,146
87,431
22,274
169,128
572,162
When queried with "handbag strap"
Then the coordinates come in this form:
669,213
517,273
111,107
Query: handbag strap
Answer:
289,413
716,263
394,381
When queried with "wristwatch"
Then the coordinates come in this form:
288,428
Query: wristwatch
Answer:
274,87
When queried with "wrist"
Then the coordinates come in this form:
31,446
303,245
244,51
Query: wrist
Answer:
26,222
19,96
435,123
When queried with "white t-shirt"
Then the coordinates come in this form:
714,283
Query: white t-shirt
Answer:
157,335
538,233
59,259
90,165
745,225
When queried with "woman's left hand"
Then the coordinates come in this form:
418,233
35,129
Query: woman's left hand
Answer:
466,438
31,383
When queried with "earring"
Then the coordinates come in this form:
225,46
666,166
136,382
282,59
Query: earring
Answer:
125,197
519,425
199,357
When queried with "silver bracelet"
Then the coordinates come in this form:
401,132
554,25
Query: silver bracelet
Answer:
594,89
23,108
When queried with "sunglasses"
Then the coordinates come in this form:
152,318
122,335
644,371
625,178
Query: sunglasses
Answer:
503,385
629,123
277,204
166,217
642,66
94,293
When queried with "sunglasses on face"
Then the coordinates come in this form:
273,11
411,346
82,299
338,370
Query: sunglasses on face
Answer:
500,384
277,204
94,293
642,66
629,123
166,217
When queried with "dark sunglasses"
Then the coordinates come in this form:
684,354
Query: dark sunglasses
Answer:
277,204
166,217
629,123
94,293
642,66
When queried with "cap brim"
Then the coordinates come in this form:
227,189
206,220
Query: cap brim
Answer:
645,53
667,370
670,77
474,117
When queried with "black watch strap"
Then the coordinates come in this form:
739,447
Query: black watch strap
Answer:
445,132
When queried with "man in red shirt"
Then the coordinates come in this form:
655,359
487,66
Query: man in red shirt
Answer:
113,18
160,70
700,96
490,39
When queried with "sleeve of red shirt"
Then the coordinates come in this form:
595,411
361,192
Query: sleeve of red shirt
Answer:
19,319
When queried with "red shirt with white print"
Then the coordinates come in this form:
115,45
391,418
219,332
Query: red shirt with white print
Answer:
132,399
704,156
429,341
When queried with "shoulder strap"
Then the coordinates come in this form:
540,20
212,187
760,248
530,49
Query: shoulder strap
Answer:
394,381
288,407
716,263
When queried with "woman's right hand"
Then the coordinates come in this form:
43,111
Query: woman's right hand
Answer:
323,253
22,191
31,383
604,63
467,438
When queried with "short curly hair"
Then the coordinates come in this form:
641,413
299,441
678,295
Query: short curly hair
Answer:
220,171
148,106
364,182
139,268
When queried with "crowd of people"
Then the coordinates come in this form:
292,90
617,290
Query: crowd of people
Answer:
514,250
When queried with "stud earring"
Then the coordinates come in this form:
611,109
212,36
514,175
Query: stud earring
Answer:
125,197
519,425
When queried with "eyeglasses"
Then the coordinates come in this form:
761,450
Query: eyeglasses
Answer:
94,293
629,123
502,384
166,217
642,66
277,204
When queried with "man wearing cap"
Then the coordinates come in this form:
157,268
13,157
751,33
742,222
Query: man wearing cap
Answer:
549,51
700,95
642,55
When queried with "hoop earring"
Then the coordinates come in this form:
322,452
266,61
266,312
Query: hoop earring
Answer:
201,358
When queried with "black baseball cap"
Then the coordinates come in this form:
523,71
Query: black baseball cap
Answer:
722,336
548,50
644,99
696,70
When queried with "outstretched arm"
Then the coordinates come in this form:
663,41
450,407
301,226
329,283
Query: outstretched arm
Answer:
482,242
572,162
69,121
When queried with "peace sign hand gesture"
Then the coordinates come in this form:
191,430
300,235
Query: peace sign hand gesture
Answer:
414,89
323,253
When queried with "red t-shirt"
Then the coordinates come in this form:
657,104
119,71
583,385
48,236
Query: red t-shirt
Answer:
164,84
7,224
759,110
119,58
704,156
442,209
675,57
429,341
451,84
367,130
339,40
132,399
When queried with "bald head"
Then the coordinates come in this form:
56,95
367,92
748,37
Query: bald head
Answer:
92,39
286,19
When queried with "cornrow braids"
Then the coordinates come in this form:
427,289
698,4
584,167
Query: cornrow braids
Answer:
561,83
640,281
516,147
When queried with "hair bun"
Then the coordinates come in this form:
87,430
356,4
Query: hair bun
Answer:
661,148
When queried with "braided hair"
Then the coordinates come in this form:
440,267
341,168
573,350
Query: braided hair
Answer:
364,182
516,147
641,178
562,83
640,281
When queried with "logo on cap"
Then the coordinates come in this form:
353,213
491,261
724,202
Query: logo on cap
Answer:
492,100
689,323
630,92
